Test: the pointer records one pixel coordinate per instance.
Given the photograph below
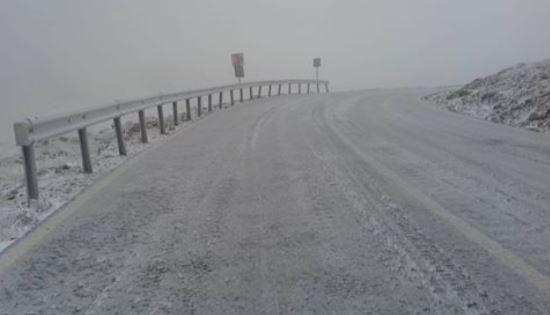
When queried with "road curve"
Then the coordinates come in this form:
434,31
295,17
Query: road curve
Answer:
352,202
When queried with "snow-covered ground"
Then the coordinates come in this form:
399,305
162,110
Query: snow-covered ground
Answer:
518,96
365,202
60,175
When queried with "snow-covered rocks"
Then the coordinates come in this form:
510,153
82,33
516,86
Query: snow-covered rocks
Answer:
518,96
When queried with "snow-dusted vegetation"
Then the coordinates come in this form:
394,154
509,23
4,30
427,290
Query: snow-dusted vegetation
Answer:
518,96
60,175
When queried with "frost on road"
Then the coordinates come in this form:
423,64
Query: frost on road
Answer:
344,203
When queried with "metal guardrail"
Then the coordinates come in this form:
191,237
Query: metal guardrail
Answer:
32,130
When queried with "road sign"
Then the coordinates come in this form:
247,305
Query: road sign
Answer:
317,65
317,62
239,71
237,60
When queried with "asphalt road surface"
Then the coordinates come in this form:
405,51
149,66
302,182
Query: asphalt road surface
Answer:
358,202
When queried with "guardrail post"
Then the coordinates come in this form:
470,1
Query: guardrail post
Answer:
308,88
85,150
260,91
175,113
232,98
299,88
119,136
221,99
143,127
280,88
30,172
161,120
269,91
326,87
199,106
209,102
242,97
188,109
251,93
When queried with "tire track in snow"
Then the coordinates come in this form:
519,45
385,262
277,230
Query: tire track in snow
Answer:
508,258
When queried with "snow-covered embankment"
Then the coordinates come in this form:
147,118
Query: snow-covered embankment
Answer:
60,175
518,96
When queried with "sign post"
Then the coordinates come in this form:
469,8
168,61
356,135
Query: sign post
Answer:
237,60
317,65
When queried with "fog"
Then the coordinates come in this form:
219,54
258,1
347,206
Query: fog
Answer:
57,55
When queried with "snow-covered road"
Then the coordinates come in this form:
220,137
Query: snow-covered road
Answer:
340,203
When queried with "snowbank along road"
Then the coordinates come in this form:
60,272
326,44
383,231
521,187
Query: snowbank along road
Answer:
347,203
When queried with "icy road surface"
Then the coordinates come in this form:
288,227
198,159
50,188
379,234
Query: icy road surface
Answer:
338,203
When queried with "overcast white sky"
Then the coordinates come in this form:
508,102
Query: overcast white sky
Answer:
59,54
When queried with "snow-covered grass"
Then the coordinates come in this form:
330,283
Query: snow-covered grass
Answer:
518,96
60,175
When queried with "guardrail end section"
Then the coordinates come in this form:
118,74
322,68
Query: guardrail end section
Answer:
22,130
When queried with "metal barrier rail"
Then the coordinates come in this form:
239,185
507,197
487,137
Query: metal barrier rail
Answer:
31,130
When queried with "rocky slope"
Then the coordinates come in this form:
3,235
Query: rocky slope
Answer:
518,96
